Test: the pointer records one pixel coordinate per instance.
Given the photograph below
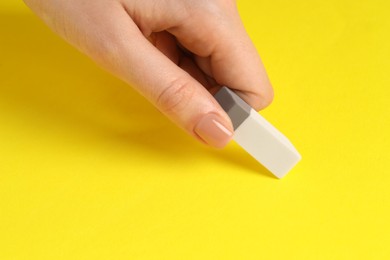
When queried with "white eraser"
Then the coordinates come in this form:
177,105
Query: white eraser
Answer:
257,136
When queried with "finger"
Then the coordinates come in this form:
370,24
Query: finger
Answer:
226,53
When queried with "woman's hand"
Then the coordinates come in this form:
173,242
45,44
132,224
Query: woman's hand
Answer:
176,53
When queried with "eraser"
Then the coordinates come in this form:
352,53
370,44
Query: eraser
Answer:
257,136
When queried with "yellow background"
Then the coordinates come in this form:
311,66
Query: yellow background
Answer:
90,170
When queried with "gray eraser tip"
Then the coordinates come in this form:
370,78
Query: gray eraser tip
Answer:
257,136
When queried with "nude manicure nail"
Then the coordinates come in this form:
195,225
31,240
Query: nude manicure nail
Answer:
213,132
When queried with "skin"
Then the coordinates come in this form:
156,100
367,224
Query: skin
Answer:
176,53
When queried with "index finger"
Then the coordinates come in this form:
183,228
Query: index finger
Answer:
226,53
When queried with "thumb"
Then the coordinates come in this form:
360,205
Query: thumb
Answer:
171,89
105,32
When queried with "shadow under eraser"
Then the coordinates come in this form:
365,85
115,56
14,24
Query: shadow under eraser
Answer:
257,136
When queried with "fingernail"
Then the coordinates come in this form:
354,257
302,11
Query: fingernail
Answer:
213,132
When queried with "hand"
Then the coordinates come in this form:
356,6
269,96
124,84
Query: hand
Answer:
176,53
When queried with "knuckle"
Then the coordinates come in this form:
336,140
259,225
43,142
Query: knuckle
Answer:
176,96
